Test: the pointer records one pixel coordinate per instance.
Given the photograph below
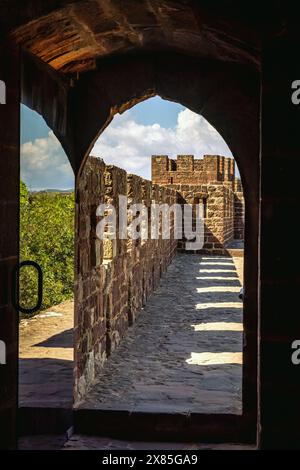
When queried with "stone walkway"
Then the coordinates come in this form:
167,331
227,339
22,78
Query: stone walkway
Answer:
46,358
184,353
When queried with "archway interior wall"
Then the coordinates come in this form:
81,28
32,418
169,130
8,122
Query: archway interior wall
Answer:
227,95
48,93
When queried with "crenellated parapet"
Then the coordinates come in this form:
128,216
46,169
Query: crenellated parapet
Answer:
210,180
186,169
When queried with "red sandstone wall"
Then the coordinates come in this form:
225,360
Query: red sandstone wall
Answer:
113,277
219,221
211,178
188,170
91,304
239,216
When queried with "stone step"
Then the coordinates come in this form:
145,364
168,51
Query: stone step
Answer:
159,426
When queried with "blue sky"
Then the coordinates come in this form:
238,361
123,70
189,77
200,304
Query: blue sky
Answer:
157,110
32,125
154,126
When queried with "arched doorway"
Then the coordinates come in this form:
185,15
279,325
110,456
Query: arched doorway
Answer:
210,305
214,90
216,98
46,224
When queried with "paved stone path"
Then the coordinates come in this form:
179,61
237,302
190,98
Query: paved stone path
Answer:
46,358
184,353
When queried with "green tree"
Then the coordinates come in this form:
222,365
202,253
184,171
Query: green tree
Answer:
23,194
47,237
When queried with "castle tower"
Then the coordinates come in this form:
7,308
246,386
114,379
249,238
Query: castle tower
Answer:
210,181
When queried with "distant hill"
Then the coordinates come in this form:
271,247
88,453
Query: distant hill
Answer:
64,191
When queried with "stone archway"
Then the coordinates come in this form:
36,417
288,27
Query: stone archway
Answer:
214,91
79,106
248,38
226,94
223,93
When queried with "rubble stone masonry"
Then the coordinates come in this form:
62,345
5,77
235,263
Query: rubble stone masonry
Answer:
113,277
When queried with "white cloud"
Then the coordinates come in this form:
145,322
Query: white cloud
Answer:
125,143
45,165
129,145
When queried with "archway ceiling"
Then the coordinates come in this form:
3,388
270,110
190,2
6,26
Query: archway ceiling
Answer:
72,36
160,46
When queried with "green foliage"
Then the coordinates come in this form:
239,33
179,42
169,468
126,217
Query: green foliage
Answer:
47,237
23,194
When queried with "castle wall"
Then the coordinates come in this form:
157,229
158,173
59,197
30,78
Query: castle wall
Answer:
113,277
187,170
239,211
219,220
211,179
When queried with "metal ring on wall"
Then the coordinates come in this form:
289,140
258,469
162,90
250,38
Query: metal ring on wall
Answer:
16,289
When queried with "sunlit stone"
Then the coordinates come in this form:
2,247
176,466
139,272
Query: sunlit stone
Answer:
209,263
218,289
208,358
223,305
217,278
219,326
217,271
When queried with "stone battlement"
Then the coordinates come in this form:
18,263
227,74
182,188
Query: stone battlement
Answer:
187,169
211,180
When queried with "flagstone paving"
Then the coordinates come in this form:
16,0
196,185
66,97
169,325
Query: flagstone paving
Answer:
184,353
46,358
